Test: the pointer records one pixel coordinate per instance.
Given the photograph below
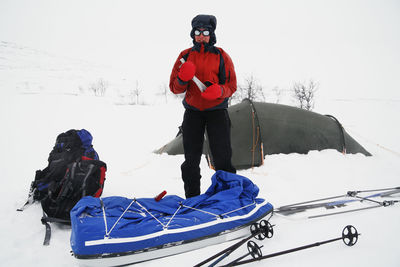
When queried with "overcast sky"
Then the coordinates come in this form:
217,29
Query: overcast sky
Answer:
348,46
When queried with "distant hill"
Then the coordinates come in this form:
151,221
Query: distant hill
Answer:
27,70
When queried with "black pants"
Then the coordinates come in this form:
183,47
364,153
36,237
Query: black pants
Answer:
217,123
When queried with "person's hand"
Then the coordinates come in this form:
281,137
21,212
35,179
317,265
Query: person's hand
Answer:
212,92
187,71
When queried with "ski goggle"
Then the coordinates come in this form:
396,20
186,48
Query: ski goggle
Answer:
204,32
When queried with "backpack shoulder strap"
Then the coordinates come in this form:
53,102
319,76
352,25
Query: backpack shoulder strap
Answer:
222,72
45,221
185,56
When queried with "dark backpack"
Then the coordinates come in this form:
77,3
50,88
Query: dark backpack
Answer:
73,171
82,178
69,147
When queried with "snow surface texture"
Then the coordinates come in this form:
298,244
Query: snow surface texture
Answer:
125,137
40,98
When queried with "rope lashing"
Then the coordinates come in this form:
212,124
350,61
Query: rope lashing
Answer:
165,226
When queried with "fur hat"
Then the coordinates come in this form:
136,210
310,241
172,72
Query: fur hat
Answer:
205,21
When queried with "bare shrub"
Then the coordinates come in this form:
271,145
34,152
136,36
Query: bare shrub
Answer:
304,94
99,87
250,89
135,94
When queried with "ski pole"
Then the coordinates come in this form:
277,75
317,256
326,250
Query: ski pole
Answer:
202,87
254,251
299,207
306,202
349,237
266,231
349,193
385,203
374,190
259,231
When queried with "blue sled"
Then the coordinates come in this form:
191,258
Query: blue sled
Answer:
119,231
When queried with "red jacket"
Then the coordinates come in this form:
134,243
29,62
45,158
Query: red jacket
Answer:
212,64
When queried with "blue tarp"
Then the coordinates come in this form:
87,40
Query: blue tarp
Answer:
231,201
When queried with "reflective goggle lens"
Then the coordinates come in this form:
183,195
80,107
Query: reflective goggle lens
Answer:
205,32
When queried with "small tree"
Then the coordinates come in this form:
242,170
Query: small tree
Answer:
278,94
305,93
99,88
163,92
135,93
250,90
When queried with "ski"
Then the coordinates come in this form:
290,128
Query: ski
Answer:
349,237
260,231
30,199
341,201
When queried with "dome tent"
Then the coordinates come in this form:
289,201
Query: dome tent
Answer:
260,129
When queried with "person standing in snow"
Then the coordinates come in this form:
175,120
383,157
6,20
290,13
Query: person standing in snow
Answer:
208,109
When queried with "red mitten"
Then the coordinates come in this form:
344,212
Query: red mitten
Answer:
212,92
187,71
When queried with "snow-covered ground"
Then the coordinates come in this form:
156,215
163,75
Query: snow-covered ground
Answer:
126,135
349,47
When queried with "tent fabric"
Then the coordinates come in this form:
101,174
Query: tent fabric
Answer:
260,129
108,225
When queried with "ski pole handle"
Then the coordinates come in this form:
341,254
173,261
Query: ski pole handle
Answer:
202,87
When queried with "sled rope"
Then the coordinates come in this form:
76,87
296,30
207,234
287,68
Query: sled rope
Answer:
104,215
165,226
207,212
239,208
173,216
150,213
221,215
122,215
